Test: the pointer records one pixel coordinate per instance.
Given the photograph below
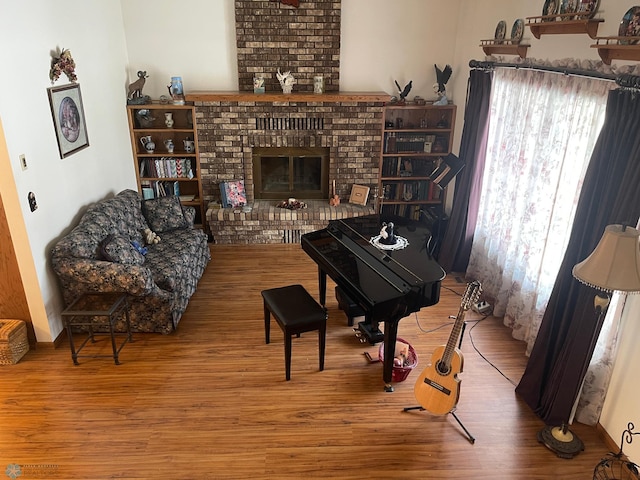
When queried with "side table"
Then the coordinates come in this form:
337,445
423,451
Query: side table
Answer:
83,312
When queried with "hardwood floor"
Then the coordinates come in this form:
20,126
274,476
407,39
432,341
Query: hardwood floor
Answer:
210,401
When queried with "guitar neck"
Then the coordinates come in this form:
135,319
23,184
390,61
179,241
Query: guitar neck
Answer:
454,337
470,295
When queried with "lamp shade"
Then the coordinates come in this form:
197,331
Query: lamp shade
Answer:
614,265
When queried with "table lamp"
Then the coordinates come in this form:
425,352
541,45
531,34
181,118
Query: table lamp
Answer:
614,266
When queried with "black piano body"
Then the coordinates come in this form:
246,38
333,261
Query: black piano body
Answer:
387,284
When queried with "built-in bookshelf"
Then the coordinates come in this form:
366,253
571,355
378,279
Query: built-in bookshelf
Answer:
170,164
416,139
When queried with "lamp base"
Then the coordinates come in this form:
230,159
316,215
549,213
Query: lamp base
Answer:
560,440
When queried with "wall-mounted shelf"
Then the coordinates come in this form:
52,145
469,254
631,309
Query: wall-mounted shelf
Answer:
506,47
610,48
565,23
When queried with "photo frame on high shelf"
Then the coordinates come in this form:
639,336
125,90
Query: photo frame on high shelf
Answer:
68,118
359,194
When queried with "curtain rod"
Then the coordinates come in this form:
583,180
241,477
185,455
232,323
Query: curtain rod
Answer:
623,80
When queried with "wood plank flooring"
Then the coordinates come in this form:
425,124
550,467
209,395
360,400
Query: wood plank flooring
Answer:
210,401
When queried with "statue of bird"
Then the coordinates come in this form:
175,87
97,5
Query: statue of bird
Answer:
443,77
404,92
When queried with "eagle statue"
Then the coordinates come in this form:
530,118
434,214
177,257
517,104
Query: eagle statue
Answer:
442,77
403,92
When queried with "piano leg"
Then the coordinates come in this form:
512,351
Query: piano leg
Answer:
322,286
390,336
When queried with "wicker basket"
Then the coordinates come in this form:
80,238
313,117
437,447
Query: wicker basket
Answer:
13,341
400,374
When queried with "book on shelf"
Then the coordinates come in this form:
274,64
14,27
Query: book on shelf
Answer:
449,167
166,167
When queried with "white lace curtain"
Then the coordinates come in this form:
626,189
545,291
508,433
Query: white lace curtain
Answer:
543,127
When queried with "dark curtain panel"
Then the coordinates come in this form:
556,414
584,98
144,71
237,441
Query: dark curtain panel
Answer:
570,327
456,244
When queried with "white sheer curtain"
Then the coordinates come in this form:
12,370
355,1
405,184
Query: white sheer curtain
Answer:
543,127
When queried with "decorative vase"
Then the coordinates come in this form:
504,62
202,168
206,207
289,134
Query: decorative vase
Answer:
168,143
148,144
168,119
318,84
189,146
176,91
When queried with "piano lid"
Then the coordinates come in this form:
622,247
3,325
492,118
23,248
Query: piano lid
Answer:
344,251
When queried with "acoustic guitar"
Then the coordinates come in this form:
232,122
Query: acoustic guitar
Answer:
438,388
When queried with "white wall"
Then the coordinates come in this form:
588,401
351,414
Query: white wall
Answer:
621,405
93,32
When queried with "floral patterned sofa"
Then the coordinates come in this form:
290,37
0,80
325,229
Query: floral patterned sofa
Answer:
107,252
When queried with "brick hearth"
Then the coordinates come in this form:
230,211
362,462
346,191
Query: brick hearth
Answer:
266,223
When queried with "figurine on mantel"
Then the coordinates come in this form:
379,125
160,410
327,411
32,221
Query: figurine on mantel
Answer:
286,81
134,93
403,92
439,88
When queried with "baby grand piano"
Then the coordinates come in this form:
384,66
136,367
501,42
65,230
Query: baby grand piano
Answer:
388,284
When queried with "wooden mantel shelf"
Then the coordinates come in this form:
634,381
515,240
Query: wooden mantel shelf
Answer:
270,97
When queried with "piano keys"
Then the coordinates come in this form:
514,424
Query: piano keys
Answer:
387,284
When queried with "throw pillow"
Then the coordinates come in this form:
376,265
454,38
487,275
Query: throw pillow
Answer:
164,214
118,249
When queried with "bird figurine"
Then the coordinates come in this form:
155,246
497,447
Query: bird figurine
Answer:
442,77
404,92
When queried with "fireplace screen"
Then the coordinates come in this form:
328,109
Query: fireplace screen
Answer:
280,173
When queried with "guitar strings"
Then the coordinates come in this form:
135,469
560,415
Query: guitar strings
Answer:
475,323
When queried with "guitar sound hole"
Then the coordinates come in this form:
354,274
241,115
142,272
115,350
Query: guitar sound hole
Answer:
442,368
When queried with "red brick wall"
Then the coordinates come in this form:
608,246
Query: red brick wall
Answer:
303,40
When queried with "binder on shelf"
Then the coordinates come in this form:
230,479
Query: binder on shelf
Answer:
449,167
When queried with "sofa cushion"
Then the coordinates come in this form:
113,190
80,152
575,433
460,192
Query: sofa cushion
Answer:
119,249
170,259
164,214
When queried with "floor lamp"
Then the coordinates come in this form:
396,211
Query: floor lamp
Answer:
614,266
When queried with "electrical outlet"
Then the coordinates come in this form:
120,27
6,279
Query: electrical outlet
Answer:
483,308
23,161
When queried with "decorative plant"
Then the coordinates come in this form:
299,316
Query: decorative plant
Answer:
63,63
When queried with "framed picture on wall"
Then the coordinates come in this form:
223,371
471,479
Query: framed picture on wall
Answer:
68,118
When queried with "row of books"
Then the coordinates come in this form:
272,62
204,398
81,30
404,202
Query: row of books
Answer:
409,142
412,191
406,167
157,189
411,212
166,167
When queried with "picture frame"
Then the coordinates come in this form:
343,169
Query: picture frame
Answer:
68,118
359,194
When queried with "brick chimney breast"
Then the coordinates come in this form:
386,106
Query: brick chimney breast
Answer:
304,40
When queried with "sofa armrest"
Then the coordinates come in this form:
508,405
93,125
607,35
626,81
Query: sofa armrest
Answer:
102,276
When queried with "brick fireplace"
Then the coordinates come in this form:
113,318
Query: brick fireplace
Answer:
230,125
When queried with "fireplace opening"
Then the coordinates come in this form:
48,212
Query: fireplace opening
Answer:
285,172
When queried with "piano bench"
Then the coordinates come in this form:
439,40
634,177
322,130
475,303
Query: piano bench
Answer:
296,312
348,306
